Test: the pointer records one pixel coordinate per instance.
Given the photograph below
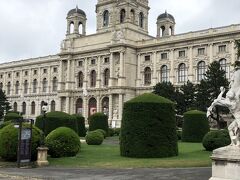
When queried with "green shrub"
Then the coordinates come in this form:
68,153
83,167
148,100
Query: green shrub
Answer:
81,125
9,142
6,123
117,131
12,116
195,126
98,121
148,127
94,138
110,132
56,119
103,132
63,142
216,139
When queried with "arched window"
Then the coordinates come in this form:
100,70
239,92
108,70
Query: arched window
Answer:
80,79
223,64
17,87
164,73
122,15
201,68
8,88
15,107
80,28
24,107
132,15
54,84
182,73
93,78
34,86
92,104
106,77
162,31
33,107
105,18
71,27
147,76
44,85
141,19
79,106
25,87
105,105
53,105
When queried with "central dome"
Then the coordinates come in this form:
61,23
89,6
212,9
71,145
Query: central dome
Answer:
166,15
76,10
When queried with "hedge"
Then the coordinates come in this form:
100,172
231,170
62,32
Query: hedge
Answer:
56,119
195,126
94,137
148,128
81,124
98,121
63,142
12,116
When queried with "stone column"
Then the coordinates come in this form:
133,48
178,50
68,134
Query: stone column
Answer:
210,53
49,79
85,107
110,108
232,52
121,70
98,104
60,78
85,73
68,74
120,106
58,104
39,81
138,83
67,104
30,80
171,58
99,72
111,80
12,84
154,78
21,83
190,69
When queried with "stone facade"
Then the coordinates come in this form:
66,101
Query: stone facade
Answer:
99,72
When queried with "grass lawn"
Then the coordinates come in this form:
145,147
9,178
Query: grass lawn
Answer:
107,155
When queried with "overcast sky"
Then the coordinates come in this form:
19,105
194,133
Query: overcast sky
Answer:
32,28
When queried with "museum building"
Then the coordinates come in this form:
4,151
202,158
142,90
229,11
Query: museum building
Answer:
101,71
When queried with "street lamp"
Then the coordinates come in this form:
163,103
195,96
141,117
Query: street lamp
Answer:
44,110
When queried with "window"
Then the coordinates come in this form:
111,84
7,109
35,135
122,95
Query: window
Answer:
55,69
132,16
80,63
53,105
147,76
54,84
141,18
222,48
25,87
182,73
8,88
80,79
223,65
147,58
164,56
34,86
15,107
201,70
105,18
122,15
9,75
17,74
44,85
1,85
106,60
93,61
33,107
106,77
25,73
93,78
35,72
44,70
201,51
24,107
1,76
181,54
17,87
164,73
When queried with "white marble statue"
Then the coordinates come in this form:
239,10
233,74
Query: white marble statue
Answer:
85,92
232,102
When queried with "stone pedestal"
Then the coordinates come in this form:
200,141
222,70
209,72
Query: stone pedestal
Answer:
226,163
42,156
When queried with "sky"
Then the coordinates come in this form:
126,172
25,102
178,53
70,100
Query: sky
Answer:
32,28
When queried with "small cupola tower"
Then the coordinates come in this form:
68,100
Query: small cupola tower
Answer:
76,23
165,25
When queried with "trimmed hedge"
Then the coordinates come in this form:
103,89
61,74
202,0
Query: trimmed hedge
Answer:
11,116
63,142
94,137
195,126
98,121
216,139
103,132
148,128
9,142
56,119
6,123
81,125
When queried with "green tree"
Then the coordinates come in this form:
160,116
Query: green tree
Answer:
165,89
4,104
188,94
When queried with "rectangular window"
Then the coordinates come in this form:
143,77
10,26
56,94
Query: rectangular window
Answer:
44,70
55,69
25,73
147,58
106,60
35,72
1,76
181,54
9,75
164,56
222,48
17,74
201,51
93,61
80,63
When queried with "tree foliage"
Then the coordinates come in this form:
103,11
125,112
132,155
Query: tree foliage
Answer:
4,104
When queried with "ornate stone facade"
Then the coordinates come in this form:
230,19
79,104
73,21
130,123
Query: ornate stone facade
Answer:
99,72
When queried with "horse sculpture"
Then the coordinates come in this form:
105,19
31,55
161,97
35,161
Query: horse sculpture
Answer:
232,102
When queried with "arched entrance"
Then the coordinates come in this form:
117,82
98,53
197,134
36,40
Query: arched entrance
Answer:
105,105
92,106
79,106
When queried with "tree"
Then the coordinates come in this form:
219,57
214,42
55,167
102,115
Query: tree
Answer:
188,92
165,89
4,104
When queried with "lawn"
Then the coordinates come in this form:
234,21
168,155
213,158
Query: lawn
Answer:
107,155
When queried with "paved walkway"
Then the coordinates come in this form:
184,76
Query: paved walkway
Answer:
106,174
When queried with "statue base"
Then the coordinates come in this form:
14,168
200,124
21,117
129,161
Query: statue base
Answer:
226,163
42,157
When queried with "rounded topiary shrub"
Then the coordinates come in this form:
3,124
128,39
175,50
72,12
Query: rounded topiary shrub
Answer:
195,126
103,132
56,119
63,142
11,116
216,139
6,123
81,125
148,127
98,121
94,138
9,142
